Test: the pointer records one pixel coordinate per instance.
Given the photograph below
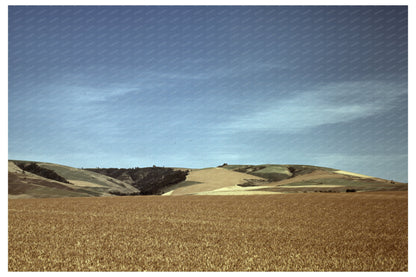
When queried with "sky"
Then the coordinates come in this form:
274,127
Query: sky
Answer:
199,86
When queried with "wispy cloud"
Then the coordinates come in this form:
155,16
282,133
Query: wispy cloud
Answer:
205,70
328,104
84,94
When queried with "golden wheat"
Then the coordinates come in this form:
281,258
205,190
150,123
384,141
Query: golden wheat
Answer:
293,232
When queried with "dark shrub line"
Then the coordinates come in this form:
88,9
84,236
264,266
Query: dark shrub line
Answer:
41,171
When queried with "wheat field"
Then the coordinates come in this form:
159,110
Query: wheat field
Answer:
283,232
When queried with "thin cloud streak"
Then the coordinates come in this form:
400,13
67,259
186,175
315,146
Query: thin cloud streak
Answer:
329,104
208,71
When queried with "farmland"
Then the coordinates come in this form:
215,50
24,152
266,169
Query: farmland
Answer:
282,232
220,180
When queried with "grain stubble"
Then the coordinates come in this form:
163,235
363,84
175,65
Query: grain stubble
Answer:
291,232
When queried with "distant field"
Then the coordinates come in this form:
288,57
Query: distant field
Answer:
284,232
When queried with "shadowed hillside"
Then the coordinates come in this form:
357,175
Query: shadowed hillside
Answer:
149,180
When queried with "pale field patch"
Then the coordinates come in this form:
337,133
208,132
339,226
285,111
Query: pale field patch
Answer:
352,174
12,167
209,179
19,196
237,190
79,183
313,186
252,191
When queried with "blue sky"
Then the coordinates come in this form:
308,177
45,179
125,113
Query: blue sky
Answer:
200,86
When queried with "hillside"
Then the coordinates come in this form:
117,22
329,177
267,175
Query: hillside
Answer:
276,179
82,183
148,180
222,180
212,181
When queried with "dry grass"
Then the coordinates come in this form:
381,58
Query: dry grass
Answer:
210,179
290,232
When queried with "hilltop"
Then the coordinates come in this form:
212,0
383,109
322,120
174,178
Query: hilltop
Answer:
221,180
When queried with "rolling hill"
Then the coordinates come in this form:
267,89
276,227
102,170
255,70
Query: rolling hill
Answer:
82,183
274,179
222,180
